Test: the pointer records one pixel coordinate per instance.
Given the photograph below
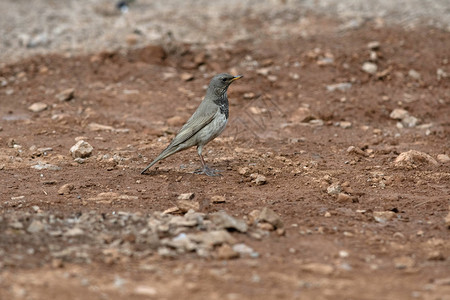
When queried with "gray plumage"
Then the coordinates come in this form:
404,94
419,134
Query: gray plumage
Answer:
207,122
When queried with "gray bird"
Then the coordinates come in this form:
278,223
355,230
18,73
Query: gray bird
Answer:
207,122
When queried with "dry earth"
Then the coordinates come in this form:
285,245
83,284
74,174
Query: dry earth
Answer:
336,175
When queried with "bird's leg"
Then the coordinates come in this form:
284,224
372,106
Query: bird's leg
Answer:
206,170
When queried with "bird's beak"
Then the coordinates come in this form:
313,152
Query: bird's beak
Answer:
236,78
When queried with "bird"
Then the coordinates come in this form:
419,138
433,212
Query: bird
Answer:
207,123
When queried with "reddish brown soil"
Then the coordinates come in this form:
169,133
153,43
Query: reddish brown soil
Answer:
300,160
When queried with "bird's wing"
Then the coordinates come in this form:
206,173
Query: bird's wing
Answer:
196,123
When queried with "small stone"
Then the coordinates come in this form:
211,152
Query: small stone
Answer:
65,189
16,225
334,189
404,262
186,196
66,95
318,268
443,158
175,121
447,219
345,124
185,205
224,221
344,86
226,252
410,121
327,214
142,290
302,114
414,74
244,250
258,179
436,255
218,199
35,226
132,39
57,263
212,238
37,107
271,217
263,71
370,68
343,254
45,166
383,216
343,198
249,95
171,210
399,114
74,232
81,149
186,76
253,216
414,158
244,171
100,127
374,45
265,226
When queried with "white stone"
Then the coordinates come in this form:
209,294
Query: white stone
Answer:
81,149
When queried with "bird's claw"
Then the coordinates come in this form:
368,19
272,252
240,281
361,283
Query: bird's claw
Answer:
208,171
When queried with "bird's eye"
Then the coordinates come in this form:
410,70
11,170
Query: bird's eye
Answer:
224,79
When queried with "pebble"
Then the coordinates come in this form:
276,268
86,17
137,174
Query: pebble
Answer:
404,262
66,95
45,166
334,189
271,217
370,68
142,290
414,74
414,158
99,127
443,158
447,219
186,205
224,221
81,149
37,107
74,232
226,252
301,115
186,76
318,268
186,196
374,45
65,189
132,39
399,114
35,226
243,250
383,216
218,199
345,124
258,179
343,254
344,86
344,198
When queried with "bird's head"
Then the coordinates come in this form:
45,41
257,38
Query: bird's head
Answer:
220,83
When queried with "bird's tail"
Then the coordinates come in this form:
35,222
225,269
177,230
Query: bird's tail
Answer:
166,153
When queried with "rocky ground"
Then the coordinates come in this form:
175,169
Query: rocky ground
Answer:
335,163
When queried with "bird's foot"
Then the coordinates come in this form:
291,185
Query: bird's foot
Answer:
208,171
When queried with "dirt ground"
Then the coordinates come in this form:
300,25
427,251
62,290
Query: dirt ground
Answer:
360,219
